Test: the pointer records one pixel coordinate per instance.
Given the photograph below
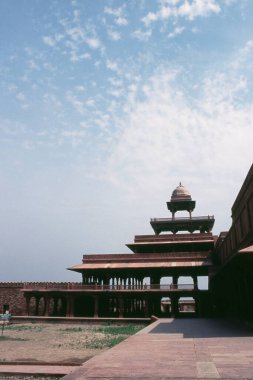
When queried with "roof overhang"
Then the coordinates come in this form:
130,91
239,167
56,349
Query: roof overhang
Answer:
246,250
160,264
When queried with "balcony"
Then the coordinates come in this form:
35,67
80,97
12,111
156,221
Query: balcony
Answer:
113,288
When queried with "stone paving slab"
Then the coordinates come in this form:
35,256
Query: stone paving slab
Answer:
176,349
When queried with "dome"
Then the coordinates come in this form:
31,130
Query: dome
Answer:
180,193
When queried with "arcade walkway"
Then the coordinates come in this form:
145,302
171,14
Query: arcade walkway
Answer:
176,349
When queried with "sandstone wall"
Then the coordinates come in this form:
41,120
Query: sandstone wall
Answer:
12,297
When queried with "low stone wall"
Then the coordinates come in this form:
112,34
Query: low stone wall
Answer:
12,297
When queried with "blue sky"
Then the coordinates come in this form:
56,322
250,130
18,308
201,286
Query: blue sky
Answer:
105,107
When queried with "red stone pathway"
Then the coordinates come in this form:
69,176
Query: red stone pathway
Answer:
176,349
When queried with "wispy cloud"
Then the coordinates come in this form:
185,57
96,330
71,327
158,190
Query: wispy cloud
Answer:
166,134
113,66
142,35
178,30
118,14
77,38
114,35
187,9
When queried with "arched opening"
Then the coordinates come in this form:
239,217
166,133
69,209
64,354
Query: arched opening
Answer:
146,282
51,306
203,282
166,307
41,306
62,307
185,282
32,306
186,307
165,282
6,308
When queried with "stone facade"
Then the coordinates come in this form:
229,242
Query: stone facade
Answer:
12,294
232,281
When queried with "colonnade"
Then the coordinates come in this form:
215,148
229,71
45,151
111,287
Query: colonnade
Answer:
71,304
45,305
134,282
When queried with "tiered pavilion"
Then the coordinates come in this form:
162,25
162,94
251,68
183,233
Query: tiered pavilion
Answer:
135,284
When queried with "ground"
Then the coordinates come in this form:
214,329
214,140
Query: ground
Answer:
59,343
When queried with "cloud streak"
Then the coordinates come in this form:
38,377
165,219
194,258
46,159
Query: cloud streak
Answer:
189,10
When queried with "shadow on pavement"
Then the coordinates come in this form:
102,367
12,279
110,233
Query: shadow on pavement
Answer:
202,328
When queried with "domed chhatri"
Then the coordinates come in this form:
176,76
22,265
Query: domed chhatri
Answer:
181,200
180,193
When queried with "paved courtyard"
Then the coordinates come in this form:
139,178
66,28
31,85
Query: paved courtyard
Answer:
176,349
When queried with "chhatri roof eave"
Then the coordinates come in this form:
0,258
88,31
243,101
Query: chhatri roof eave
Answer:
161,264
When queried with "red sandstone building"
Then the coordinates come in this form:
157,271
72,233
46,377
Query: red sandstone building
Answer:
145,282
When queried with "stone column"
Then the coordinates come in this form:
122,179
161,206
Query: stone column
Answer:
47,302
95,306
175,281
27,298
195,282
155,280
121,307
55,308
37,301
146,307
197,306
174,307
70,305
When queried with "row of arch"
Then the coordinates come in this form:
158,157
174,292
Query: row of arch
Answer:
40,305
109,306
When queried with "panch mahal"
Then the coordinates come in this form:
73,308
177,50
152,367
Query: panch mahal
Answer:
147,281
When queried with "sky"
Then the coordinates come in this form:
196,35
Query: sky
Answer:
105,106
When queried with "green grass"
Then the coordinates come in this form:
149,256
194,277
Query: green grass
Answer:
6,337
36,328
118,330
112,335
106,342
111,330
74,329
